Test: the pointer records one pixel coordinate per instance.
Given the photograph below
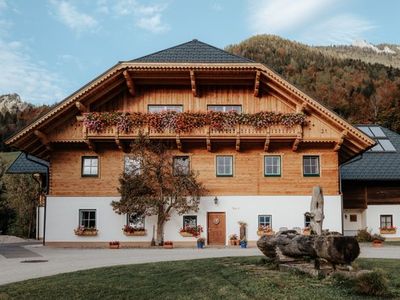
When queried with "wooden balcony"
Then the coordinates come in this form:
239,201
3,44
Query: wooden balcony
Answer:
240,131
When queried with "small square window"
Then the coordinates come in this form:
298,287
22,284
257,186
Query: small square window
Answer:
181,165
136,220
90,166
272,165
311,165
353,218
264,221
225,166
386,221
189,221
225,108
132,165
87,218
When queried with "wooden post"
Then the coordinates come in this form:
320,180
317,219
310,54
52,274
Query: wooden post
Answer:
129,82
193,84
257,84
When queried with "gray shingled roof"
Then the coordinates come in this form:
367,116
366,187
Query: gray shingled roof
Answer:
192,52
375,165
28,164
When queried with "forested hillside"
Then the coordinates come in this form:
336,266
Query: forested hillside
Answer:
360,92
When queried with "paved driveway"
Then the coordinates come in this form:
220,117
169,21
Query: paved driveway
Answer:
51,261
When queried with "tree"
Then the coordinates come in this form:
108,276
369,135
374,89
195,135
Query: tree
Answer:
154,185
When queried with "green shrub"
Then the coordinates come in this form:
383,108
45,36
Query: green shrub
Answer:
373,283
363,235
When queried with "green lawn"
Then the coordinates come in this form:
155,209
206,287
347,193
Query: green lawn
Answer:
229,278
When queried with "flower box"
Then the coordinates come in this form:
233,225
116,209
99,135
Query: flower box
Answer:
135,233
86,232
265,232
186,234
388,230
234,242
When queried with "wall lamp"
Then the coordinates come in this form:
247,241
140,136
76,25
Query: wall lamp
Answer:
216,200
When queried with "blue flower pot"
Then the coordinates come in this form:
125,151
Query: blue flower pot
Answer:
200,245
243,244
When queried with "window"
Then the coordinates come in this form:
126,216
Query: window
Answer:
225,108
224,166
311,165
353,218
162,108
181,165
189,221
386,221
272,165
90,166
307,221
383,144
87,218
136,220
132,165
264,221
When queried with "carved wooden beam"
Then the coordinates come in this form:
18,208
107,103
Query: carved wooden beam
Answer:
91,145
267,142
129,82
178,143
208,143
82,108
237,142
193,84
296,144
302,108
120,145
257,84
44,139
339,143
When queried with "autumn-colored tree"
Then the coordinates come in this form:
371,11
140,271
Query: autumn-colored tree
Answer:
153,185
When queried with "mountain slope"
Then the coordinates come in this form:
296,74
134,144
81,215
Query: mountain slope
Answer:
358,91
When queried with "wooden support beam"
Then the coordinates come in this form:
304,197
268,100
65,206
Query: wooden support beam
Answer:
120,145
238,142
43,139
257,84
302,108
339,143
208,143
193,84
82,108
267,142
178,143
296,144
129,82
91,145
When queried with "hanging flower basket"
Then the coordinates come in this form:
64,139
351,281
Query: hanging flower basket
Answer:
82,231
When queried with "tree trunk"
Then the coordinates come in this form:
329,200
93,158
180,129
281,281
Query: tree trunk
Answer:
160,230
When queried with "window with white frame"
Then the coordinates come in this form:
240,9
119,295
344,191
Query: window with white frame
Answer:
181,165
136,220
225,108
224,165
132,165
90,166
311,165
163,108
87,218
189,221
272,165
264,221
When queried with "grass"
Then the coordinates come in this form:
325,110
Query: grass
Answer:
217,278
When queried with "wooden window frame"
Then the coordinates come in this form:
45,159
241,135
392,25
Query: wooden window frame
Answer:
83,163
270,218
88,210
380,221
265,166
216,166
352,219
239,105
163,105
319,166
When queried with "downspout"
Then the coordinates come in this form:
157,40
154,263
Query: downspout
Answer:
45,199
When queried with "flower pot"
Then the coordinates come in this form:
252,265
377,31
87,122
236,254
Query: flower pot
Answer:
186,234
114,246
168,246
234,242
243,245
388,231
377,243
200,245
86,232
264,232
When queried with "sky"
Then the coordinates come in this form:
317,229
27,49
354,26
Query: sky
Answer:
51,48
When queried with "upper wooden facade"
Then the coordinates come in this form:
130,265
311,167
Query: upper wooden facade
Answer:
132,86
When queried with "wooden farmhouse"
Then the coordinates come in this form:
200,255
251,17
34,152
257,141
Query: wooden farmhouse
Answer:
260,172
371,186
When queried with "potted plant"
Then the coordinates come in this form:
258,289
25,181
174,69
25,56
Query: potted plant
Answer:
265,230
114,245
168,245
191,231
84,231
233,240
132,231
201,242
388,230
377,240
243,243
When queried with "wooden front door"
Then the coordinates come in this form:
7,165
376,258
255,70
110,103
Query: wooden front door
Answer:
216,228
